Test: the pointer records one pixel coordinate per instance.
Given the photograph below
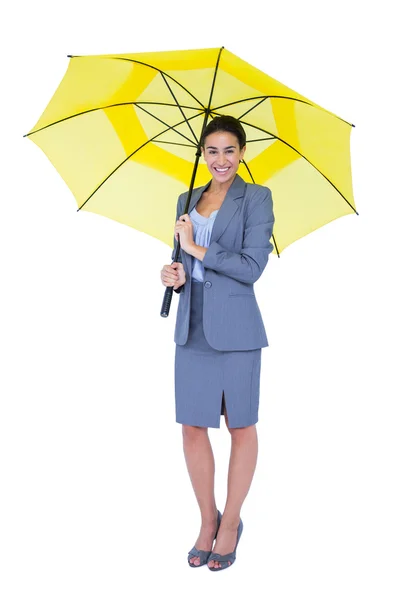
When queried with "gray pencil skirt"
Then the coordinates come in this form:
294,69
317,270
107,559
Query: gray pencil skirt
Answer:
205,376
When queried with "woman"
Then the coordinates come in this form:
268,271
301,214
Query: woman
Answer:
219,331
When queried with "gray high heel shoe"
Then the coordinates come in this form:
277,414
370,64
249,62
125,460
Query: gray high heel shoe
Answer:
224,558
202,554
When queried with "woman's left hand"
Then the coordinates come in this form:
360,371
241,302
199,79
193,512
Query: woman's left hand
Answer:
184,227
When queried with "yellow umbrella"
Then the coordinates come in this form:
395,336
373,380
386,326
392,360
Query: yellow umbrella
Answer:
123,132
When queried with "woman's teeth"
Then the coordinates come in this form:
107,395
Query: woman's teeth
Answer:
221,170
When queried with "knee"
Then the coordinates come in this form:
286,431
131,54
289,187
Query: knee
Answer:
192,433
242,434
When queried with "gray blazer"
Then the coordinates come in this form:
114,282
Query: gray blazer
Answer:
235,259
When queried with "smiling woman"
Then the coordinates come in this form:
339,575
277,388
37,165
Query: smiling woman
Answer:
219,333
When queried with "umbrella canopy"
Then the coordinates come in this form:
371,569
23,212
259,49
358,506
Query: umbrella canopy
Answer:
123,130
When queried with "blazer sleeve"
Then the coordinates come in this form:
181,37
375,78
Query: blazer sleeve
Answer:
178,213
247,266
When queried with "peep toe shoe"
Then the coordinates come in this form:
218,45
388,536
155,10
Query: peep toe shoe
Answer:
224,559
202,554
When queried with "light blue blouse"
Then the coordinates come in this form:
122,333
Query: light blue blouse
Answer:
202,228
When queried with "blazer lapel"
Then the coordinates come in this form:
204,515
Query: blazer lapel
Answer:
228,208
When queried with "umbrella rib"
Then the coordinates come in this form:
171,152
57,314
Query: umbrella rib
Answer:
282,98
252,108
130,155
168,104
177,144
260,140
252,178
164,123
305,158
179,106
145,65
84,112
259,98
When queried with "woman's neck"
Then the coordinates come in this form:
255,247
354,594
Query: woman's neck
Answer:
219,188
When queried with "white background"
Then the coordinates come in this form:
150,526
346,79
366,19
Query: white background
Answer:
96,501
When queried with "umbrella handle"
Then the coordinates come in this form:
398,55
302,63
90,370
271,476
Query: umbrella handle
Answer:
167,301
169,291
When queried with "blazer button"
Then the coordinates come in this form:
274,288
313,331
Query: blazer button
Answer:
208,284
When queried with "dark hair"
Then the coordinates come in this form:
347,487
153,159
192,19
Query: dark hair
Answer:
225,123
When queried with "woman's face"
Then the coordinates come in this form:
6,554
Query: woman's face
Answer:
222,154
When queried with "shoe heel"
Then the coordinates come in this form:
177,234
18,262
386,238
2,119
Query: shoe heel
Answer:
218,524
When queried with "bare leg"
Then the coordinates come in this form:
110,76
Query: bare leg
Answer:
201,466
242,465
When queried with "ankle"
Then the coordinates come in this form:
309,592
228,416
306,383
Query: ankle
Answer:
209,518
230,521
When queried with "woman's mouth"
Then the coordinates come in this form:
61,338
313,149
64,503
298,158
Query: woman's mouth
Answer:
220,170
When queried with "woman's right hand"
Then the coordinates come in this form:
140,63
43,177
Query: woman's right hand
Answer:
173,275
